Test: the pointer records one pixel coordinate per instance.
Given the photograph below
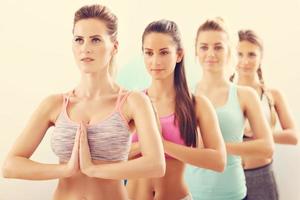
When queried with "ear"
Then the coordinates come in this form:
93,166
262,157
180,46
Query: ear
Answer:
180,55
115,48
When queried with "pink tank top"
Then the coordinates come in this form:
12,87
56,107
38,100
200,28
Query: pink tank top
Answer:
109,139
170,131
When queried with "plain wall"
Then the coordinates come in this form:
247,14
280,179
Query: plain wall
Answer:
36,60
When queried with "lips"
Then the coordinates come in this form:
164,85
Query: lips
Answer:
87,59
211,62
244,68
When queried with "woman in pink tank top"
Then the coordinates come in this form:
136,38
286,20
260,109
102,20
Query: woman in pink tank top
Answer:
92,124
182,118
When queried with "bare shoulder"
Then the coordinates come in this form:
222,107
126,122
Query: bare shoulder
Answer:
51,106
52,101
247,96
136,102
277,95
245,92
137,99
202,102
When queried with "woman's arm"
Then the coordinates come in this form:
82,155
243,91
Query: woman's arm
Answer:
134,150
262,146
213,155
152,161
18,164
135,146
288,134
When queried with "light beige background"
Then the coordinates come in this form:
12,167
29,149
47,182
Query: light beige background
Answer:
36,60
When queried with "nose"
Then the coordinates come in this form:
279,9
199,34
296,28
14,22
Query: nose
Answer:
244,61
86,48
211,52
155,60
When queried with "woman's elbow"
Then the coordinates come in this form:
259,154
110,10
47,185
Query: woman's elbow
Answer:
7,169
269,149
161,168
221,163
217,164
158,168
295,139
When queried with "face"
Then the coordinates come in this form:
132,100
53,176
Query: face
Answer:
249,58
92,46
160,55
212,50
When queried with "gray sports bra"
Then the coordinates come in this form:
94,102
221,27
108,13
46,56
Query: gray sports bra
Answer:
109,140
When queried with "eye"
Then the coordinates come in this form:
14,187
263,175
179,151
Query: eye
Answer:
219,47
78,40
203,48
164,52
96,40
240,54
252,55
148,53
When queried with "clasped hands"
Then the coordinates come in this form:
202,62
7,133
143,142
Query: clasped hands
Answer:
80,160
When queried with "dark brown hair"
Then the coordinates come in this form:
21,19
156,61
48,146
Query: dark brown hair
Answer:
184,102
101,13
252,37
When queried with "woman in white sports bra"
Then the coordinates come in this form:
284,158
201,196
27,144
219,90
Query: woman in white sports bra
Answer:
260,181
92,123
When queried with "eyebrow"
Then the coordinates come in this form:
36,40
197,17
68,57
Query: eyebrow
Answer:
92,36
218,43
166,48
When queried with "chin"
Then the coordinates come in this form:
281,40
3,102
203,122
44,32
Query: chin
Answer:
246,73
212,68
158,77
87,69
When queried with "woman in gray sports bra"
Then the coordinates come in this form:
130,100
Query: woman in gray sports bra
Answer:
92,124
260,181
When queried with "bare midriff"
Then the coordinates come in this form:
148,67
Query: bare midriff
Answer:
170,186
82,187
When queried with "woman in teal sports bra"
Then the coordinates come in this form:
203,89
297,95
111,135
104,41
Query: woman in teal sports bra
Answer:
260,179
233,104
180,116
92,124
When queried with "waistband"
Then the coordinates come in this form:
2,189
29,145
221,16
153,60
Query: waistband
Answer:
266,168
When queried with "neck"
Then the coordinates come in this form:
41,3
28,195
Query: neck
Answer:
251,81
95,84
163,88
213,80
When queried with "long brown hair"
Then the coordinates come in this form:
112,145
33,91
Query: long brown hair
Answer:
101,13
185,114
252,37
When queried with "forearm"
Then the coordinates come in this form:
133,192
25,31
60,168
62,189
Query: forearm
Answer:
23,168
200,157
141,167
289,136
260,148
